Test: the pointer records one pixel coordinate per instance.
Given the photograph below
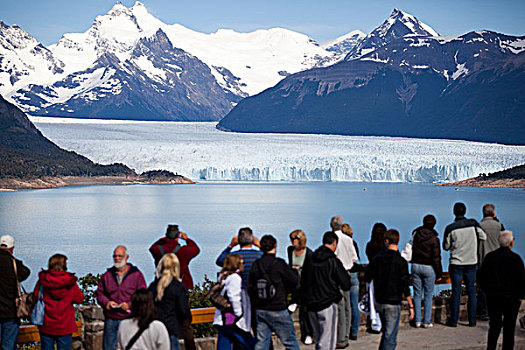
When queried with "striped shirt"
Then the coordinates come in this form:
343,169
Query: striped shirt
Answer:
248,254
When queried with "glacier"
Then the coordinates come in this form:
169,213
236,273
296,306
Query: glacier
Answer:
201,152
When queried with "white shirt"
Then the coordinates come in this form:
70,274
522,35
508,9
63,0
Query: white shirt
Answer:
154,338
345,250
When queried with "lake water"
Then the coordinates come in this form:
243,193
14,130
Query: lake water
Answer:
86,223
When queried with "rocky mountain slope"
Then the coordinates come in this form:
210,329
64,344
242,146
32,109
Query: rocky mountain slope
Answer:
402,80
30,160
26,153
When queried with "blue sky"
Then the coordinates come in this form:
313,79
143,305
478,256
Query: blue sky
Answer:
322,20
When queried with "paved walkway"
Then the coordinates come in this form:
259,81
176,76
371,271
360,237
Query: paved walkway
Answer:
439,337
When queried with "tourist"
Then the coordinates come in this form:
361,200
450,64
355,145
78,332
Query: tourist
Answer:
461,238
171,298
377,241
115,288
270,303
346,253
502,278
234,325
59,290
492,227
374,246
246,240
426,268
298,255
322,280
389,271
141,331
170,244
12,272
354,286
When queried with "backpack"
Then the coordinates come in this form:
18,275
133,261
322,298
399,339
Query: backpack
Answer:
265,289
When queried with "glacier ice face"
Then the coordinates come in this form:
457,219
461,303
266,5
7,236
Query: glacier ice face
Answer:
201,152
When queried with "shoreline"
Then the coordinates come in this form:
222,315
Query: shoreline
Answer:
488,183
48,182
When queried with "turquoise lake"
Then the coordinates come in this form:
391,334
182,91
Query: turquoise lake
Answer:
86,223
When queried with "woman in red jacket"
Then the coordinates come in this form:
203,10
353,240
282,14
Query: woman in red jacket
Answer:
60,292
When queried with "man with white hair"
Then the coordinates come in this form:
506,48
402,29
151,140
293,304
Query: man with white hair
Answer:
115,288
502,278
12,272
492,227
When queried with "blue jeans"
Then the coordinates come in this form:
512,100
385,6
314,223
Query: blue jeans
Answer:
390,315
174,343
466,273
354,303
109,341
423,280
9,333
279,322
229,335
48,341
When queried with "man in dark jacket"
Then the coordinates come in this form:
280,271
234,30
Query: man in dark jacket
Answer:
270,306
389,271
115,288
322,278
502,278
9,322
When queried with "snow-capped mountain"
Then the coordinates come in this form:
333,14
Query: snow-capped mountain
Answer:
156,82
344,43
402,80
66,78
400,24
22,58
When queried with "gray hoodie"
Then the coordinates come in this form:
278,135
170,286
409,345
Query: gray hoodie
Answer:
461,239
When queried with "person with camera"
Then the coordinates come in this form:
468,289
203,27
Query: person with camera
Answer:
246,240
170,244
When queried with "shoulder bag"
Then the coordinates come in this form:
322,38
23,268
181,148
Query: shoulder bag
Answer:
24,301
407,251
37,316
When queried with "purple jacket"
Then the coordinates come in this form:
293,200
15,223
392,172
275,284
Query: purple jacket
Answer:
109,290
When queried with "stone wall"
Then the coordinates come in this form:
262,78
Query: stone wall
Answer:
93,324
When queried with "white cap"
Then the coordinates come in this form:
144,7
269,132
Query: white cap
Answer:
7,242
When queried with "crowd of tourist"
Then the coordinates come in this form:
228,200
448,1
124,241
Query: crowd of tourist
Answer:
259,291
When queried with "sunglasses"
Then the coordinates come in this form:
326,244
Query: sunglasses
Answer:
294,238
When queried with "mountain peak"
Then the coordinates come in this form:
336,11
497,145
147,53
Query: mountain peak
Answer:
412,24
117,9
400,24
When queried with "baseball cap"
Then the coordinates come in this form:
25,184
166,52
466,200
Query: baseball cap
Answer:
7,242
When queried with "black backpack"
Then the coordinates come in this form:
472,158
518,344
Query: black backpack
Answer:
265,289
